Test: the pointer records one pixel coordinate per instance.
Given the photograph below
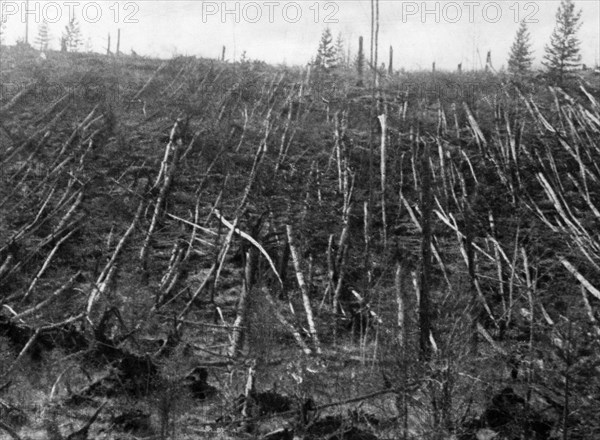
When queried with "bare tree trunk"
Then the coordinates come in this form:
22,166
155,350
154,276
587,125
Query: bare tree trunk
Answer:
372,32
248,400
376,45
360,65
303,288
401,302
26,23
282,263
383,122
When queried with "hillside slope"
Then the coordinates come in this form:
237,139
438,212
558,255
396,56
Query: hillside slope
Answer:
177,234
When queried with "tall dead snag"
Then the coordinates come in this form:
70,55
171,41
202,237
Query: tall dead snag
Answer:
383,122
372,32
303,288
426,207
172,146
360,62
376,46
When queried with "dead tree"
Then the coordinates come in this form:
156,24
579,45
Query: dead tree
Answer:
383,121
488,62
303,288
360,62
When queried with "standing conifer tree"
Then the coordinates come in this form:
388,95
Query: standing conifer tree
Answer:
326,56
520,58
562,55
43,36
340,55
72,35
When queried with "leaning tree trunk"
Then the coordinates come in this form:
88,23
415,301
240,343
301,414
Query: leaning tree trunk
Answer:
303,288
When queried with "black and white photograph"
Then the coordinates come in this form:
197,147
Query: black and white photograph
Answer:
300,220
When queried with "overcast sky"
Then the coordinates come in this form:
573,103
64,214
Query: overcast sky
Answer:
448,32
